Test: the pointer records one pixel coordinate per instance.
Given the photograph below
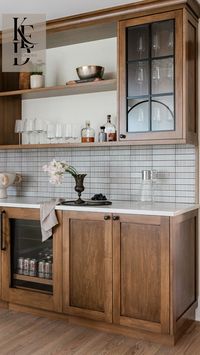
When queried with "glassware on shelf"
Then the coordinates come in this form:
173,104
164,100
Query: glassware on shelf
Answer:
28,129
58,132
156,76
170,69
170,43
19,129
140,77
141,44
67,131
51,132
87,133
155,44
39,129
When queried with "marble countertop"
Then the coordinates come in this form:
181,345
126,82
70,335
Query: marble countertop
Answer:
142,208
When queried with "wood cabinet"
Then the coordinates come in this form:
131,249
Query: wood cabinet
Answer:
133,274
141,272
132,271
159,103
20,237
158,78
87,265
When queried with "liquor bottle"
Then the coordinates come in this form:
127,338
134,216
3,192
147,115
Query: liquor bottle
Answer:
102,134
87,133
110,130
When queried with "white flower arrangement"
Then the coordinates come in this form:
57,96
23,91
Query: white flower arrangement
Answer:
57,169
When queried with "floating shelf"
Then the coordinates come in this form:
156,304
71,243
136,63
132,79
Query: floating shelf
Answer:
63,90
34,279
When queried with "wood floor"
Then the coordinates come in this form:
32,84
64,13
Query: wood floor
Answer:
23,334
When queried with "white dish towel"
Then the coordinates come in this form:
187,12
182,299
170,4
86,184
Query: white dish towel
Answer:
48,218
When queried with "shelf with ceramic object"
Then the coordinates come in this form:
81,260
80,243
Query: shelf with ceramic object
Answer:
62,90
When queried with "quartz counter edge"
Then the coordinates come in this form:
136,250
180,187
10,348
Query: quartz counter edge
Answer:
124,207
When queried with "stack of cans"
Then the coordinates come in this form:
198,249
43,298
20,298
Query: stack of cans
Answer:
32,267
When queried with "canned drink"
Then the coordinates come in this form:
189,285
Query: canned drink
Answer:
33,267
41,267
26,266
48,270
20,265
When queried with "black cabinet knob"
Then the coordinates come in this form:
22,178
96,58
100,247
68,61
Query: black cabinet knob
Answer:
106,218
122,136
115,218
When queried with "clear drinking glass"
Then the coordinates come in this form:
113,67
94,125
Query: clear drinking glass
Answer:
28,129
19,129
51,132
67,131
39,128
59,132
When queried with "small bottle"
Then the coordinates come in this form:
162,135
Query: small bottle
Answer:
146,186
87,133
110,130
102,134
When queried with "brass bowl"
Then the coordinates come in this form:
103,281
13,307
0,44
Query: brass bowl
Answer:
90,72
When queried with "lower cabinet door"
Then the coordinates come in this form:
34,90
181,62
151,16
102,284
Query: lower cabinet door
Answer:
31,269
141,272
87,265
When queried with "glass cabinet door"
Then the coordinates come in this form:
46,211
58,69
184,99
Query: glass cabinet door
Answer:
31,260
150,93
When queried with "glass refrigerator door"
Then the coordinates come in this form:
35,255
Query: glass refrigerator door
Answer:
31,260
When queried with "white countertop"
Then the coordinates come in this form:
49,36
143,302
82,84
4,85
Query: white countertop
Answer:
142,208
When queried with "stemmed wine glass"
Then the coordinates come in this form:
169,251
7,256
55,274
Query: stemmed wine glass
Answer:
19,129
155,44
141,44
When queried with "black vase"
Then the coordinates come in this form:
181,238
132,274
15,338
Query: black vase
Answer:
79,188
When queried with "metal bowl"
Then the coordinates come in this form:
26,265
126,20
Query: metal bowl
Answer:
90,72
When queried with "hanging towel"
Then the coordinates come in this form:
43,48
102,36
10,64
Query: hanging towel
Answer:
48,218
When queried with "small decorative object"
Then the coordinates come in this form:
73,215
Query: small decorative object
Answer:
36,80
36,76
7,179
56,171
24,80
90,72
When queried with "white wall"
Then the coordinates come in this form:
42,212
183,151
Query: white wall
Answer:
76,109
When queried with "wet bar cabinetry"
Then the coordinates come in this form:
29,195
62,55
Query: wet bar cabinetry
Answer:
130,270
117,272
157,71
158,78
21,239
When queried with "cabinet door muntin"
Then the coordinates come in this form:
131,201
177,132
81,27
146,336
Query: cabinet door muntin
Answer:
150,72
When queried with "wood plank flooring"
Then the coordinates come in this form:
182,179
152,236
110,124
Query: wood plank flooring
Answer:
24,334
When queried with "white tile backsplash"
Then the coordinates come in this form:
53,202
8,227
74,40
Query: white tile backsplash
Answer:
114,171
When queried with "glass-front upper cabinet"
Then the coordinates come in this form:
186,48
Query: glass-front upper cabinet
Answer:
151,77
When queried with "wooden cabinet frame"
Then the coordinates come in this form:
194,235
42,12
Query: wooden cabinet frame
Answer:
107,258
163,224
25,297
184,132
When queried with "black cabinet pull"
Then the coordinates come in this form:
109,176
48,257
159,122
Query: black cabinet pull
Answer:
106,218
2,241
115,218
122,136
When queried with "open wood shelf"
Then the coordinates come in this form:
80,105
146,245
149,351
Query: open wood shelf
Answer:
63,90
34,279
